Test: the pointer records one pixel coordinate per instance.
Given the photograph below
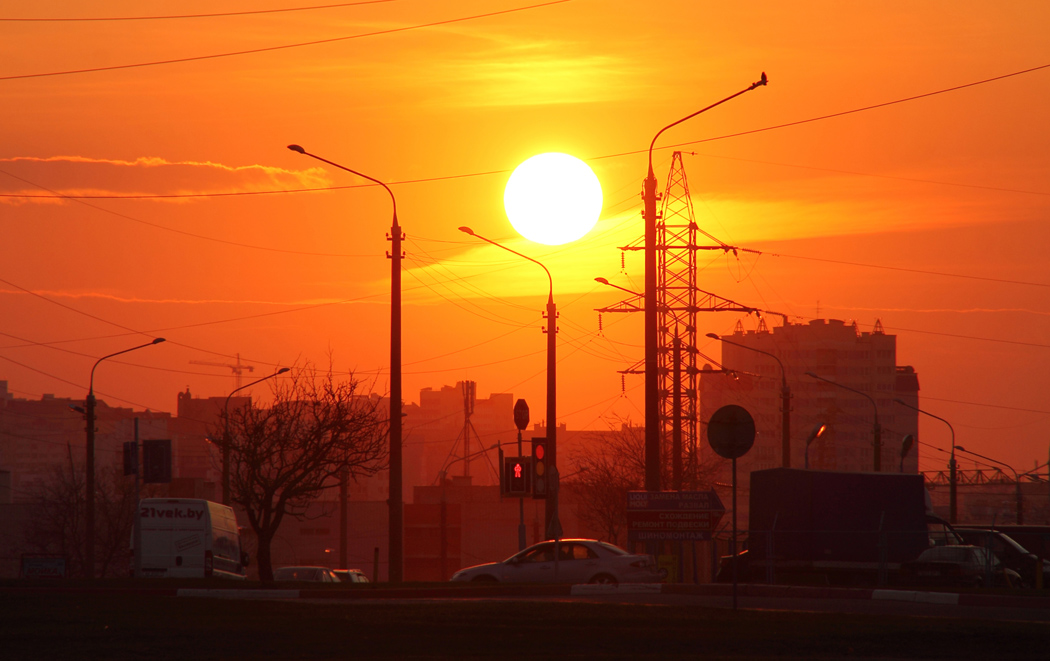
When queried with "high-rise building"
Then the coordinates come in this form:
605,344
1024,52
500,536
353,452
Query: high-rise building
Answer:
837,352
38,437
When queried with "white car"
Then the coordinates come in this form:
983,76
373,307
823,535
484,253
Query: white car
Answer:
350,575
567,561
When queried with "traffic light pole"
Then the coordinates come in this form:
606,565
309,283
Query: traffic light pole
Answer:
521,421
521,508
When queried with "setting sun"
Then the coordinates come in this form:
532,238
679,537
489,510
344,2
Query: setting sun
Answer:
553,199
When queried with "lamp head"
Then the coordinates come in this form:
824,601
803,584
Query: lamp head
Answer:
959,447
467,230
906,444
602,280
812,375
158,340
818,431
713,336
297,148
283,370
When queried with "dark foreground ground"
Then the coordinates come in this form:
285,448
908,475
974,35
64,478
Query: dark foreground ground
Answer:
80,625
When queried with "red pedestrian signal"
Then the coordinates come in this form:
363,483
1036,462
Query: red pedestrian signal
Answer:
517,476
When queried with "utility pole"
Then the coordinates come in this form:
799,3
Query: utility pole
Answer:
653,423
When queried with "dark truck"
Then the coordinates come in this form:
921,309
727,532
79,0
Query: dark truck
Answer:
825,527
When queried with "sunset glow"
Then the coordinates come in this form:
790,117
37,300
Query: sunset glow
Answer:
895,169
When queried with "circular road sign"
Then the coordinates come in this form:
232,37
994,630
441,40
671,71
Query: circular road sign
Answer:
731,431
521,415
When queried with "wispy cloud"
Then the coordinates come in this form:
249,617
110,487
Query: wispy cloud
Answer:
537,74
39,178
116,298
850,308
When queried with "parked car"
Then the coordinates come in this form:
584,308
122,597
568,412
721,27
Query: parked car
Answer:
957,566
350,575
305,574
1011,551
568,561
1035,538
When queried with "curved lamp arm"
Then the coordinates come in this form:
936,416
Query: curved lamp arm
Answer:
393,201
467,230
91,382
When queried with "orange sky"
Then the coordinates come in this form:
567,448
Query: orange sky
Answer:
953,183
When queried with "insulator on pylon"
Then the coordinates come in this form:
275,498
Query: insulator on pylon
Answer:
599,322
623,261
623,385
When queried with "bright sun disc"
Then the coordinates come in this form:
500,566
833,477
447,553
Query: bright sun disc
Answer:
553,198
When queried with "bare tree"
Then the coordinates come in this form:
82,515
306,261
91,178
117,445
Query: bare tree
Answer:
282,458
57,521
604,477
614,465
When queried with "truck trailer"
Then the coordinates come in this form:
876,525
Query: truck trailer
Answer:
827,527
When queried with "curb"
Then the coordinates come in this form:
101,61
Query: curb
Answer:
443,591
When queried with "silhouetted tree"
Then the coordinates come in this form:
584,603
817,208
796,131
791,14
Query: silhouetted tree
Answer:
283,457
615,464
603,478
56,523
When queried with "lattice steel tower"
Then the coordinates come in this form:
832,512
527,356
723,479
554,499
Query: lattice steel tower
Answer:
679,299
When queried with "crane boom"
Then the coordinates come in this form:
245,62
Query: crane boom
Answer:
237,368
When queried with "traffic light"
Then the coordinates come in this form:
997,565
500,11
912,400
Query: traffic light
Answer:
539,468
517,476
156,461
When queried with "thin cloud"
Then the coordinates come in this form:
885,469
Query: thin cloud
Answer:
81,295
1041,313
147,175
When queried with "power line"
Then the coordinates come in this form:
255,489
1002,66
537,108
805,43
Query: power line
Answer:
267,49
865,108
182,16
594,158
991,406
971,337
908,270
877,176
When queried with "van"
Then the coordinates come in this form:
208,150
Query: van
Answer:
189,538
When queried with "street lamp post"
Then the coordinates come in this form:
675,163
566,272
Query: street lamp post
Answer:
553,524
906,443
785,398
226,432
953,484
89,486
652,381
396,520
877,429
1017,481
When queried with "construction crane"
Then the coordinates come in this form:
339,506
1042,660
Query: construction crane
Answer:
238,368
